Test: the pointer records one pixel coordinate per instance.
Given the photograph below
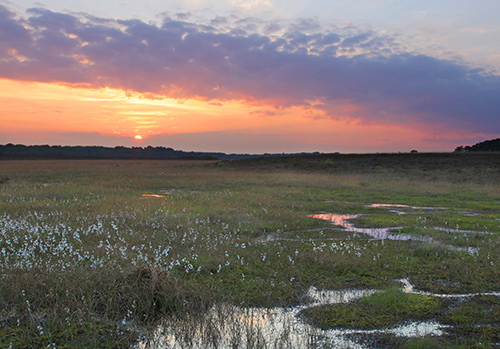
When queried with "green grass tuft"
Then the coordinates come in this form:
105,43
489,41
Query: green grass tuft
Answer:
383,309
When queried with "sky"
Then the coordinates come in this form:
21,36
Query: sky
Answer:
251,76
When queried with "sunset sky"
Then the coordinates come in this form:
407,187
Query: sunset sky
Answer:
251,76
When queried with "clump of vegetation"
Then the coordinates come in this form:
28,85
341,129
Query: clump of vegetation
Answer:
383,309
476,318
84,334
476,311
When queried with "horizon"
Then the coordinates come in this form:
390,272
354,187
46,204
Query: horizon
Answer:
413,151
251,77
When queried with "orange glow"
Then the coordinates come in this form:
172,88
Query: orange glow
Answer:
31,109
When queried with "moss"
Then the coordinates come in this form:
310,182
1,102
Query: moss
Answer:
476,311
380,310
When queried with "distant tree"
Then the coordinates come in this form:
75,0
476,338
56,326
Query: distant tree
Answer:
489,145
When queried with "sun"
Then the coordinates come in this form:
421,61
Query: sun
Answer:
138,137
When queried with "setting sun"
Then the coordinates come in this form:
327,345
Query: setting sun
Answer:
325,88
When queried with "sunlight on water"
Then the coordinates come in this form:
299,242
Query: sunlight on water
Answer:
229,326
377,233
384,233
337,219
389,205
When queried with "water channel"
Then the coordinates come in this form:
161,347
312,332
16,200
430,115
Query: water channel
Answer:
230,326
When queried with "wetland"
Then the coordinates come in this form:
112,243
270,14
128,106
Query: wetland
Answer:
368,251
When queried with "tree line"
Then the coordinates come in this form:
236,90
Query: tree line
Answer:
98,152
489,145
19,151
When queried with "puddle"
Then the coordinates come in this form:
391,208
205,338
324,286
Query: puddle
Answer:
408,288
377,233
419,329
387,205
163,194
236,327
468,214
228,326
322,297
407,206
393,207
384,233
462,231
152,196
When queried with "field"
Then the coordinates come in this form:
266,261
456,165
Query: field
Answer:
126,253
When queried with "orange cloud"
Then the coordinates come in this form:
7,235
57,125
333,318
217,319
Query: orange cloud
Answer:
363,75
43,108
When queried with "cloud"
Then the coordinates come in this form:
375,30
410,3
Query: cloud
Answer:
226,142
244,59
250,4
204,141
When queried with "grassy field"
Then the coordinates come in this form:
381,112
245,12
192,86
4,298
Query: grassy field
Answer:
98,253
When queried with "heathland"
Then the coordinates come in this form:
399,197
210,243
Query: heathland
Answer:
103,253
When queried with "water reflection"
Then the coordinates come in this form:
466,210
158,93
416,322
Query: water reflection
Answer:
229,326
407,206
322,297
152,196
408,288
393,207
343,220
388,205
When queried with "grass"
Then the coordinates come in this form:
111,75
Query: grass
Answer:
474,321
84,254
385,309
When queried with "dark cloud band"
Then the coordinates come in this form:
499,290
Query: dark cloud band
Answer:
188,60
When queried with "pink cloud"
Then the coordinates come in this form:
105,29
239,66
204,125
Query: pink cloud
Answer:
187,60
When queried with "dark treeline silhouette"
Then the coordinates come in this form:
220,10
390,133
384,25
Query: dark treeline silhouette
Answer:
19,151
490,145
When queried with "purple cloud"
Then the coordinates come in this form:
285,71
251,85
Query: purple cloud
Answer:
217,61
